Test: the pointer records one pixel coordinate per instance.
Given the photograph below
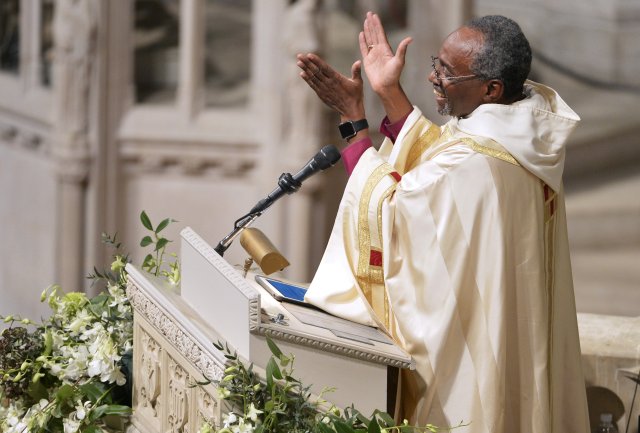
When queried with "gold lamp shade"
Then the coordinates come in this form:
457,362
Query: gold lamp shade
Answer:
262,251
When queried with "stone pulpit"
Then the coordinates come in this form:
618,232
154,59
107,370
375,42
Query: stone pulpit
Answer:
175,328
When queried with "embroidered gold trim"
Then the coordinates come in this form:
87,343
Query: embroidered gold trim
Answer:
425,141
486,150
385,195
364,232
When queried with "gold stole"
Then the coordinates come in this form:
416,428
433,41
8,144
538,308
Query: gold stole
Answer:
424,140
379,186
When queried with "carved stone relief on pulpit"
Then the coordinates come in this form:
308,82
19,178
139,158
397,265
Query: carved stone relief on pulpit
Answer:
168,363
148,382
207,408
147,386
178,401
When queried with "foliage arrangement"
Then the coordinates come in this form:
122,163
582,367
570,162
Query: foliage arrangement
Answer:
69,373
280,403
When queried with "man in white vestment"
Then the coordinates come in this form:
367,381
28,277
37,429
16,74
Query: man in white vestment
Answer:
453,239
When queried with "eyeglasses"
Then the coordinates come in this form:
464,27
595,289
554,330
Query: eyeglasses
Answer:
440,76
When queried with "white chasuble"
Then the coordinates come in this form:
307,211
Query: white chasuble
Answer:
454,240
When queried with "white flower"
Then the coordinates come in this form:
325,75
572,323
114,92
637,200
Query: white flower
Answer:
119,297
57,339
71,425
76,358
11,420
253,413
82,319
20,426
81,409
242,427
229,419
95,367
34,420
118,377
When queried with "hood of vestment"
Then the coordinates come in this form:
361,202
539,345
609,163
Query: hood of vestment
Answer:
534,130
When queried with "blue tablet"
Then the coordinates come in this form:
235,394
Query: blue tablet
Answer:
282,291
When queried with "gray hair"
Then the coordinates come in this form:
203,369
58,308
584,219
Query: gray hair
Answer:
505,54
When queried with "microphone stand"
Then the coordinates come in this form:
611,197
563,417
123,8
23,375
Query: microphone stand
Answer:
287,184
238,226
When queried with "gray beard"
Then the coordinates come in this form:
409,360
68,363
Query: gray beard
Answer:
446,110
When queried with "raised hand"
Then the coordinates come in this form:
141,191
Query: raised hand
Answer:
382,66
340,93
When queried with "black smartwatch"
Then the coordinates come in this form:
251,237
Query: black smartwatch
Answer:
350,128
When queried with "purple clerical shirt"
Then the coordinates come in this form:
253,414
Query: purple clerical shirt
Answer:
352,153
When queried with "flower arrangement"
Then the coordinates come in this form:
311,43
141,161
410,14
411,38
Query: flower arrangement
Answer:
69,373
64,375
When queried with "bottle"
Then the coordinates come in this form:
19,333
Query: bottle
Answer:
606,424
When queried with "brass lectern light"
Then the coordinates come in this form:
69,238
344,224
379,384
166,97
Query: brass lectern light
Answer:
262,251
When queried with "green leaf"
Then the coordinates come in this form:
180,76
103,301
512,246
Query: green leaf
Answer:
341,427
98,412
99,299
93,390
324,428
38,391
218,345
146,222
373,426
268,406
48,342
363,419
162,242
385,417
117,409
146,241
274,348
65,392
164,224
269,372
92,429
275,370
148,262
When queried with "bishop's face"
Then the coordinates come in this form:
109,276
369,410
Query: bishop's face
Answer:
458,91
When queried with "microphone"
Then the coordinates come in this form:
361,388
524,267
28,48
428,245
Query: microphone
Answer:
288,184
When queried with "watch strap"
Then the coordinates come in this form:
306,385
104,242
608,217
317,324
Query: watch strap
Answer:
350,128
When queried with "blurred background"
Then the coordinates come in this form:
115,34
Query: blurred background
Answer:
191,109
